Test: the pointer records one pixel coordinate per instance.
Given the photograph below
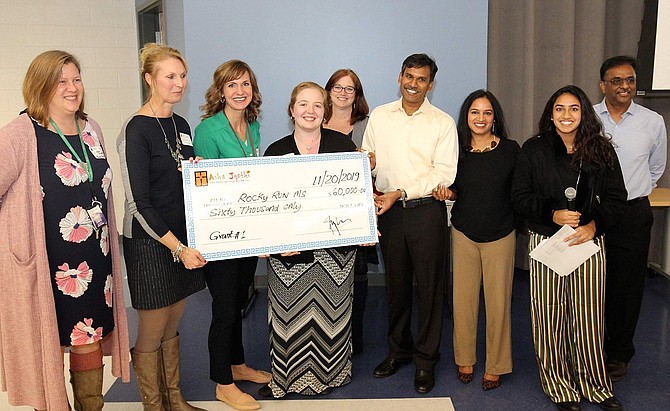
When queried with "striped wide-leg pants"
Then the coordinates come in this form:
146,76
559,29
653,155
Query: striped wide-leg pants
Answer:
567,315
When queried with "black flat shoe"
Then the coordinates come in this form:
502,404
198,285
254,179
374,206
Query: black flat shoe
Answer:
424,381
568,406
388,367
611,404
326,391
265,391
616,369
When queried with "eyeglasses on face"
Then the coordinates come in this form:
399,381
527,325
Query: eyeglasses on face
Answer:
617,81
348,89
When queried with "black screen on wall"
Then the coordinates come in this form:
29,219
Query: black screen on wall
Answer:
653,50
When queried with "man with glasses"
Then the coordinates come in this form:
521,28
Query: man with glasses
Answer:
640,140
416,150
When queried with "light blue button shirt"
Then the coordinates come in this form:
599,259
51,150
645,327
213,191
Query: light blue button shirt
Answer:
640,141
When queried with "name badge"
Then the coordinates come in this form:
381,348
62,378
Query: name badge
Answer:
97,217
185,139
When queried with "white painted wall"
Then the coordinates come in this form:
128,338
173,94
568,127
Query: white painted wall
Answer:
286,42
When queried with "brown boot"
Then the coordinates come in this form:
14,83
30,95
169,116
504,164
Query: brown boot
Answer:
148,373
87,390
170,354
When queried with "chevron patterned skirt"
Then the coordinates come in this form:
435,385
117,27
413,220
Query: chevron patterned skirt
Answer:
309,314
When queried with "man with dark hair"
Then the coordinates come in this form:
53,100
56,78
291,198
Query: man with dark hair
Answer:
416,151
640,140
617,61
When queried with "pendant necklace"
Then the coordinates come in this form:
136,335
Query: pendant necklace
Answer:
250,139
309,146
176,155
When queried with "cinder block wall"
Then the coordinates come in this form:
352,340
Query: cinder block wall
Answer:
102,34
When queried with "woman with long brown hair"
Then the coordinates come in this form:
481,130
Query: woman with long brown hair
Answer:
230,129
483,237
570,152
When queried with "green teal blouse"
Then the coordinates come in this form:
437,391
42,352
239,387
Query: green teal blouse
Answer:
215,138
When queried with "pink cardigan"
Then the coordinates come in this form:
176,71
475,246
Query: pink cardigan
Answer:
31,367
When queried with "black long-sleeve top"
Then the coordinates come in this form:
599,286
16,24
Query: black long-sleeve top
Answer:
543,171
153,184
483,209
331,142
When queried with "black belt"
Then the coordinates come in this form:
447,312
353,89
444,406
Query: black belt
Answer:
636,200
416,202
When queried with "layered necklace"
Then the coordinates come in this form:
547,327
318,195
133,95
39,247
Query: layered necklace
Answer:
176,154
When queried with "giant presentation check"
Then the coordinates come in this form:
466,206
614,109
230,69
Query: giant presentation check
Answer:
266,205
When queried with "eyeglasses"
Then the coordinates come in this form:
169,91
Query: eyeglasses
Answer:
617,81
348,89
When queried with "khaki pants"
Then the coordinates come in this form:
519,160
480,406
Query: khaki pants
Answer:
490,264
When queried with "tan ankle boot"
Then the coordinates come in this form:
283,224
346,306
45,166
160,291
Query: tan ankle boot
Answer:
170,355
147,367
87,390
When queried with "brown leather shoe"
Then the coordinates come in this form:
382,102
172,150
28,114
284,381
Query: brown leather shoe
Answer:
171,375
87,389
149,374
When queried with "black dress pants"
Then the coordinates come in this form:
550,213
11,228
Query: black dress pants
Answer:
414,243
228,282
360,297
627,249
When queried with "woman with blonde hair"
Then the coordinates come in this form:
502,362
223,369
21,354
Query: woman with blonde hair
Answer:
59,258
162,271
309,347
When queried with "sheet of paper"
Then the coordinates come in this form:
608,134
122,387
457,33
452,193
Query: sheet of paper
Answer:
556,254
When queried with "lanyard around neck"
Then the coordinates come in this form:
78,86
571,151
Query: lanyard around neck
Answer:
87,164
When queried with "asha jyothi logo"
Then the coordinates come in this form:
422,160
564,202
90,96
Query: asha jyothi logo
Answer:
201,179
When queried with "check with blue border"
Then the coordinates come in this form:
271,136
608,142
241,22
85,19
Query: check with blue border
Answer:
267,205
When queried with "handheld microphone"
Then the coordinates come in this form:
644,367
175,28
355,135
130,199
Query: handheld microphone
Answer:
570,194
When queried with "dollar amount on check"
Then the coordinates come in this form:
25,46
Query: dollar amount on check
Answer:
267,205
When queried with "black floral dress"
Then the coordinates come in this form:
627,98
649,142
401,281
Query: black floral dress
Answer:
80,263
